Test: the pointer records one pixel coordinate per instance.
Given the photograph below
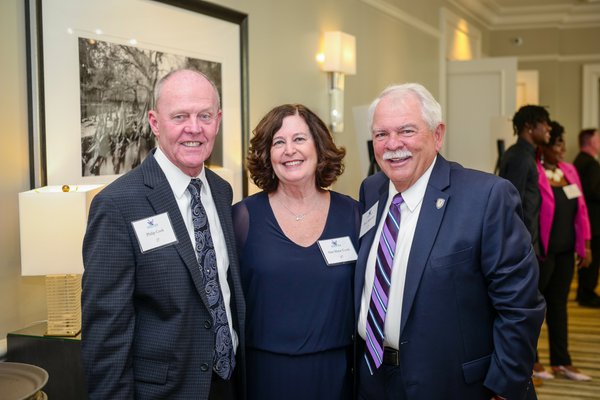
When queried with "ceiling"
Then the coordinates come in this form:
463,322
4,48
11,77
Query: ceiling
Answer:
513,14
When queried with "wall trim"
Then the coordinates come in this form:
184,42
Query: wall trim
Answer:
560,58
495,17
403,16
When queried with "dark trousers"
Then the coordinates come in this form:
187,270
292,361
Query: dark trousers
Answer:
221,389
556,273
588,277
385,383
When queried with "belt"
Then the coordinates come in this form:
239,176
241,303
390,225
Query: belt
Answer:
391,356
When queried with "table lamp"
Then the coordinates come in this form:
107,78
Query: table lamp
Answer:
52,222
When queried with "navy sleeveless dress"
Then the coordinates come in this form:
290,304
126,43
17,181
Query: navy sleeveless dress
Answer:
299,310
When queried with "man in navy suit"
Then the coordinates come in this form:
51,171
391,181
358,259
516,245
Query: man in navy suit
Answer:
458,313
148,317
589,170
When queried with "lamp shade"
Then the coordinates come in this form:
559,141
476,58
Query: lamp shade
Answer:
339,53
52,224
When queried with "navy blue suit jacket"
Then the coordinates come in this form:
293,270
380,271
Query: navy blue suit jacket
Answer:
471,311
146,325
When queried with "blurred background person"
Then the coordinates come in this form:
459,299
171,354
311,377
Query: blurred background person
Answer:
564,230
299,304
589,171
531,124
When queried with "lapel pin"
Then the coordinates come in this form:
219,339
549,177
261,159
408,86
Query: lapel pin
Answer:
439,203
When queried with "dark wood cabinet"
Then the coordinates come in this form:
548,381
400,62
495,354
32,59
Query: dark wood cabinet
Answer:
59,356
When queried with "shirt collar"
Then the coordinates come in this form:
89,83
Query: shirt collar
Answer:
414,194
177,179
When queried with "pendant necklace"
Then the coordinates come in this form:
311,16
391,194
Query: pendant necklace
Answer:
298,217
555,175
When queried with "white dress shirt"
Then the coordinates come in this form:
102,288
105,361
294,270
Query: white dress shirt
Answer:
409,215
179,183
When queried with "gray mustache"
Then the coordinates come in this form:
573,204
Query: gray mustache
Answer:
396,154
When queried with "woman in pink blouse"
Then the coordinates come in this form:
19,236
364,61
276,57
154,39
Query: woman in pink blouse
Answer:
564,235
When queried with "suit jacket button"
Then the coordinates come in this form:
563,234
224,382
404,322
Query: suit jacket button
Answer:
207,324
204,367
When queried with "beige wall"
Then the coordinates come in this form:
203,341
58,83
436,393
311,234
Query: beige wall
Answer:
559,56
284,39
21,299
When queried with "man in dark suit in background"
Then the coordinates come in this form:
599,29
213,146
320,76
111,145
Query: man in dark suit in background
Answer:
531,124
163,311
589,171
446,277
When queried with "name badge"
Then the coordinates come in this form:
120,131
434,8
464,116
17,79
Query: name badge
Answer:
368,219
337,251
154,232
572,191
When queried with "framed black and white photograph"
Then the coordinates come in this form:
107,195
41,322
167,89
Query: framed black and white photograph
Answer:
93,67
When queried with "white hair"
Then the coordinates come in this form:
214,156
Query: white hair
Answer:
431,111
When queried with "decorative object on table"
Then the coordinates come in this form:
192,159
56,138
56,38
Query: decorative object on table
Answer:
22,381
52,222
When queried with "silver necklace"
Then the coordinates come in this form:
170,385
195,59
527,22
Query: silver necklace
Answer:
298,217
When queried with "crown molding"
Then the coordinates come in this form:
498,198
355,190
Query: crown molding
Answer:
560,58
403,16
495,17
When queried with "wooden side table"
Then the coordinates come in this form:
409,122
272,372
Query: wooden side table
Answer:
59,356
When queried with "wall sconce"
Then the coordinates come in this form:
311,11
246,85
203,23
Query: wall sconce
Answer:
52,221
338,59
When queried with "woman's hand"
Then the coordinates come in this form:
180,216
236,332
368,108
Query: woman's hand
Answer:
584,262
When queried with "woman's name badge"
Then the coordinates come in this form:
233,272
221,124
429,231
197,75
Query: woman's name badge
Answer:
572,191
154,232
368,220
337,251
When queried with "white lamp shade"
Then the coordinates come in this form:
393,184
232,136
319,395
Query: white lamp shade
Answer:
339,52
52,225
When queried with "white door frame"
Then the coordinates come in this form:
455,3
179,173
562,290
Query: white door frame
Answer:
590,102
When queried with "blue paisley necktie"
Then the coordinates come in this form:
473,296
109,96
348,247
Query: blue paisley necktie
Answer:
224,357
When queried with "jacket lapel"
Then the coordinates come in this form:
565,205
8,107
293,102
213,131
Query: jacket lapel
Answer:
161,198
430,218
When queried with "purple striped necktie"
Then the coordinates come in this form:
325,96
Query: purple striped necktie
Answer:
381,286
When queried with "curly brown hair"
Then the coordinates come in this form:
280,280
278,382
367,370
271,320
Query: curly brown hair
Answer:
329,156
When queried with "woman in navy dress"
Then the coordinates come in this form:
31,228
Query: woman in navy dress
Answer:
297,242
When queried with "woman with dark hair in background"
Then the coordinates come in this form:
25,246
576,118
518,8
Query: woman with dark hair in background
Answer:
564,232
297,241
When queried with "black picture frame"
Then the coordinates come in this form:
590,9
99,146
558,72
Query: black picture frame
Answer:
37,76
